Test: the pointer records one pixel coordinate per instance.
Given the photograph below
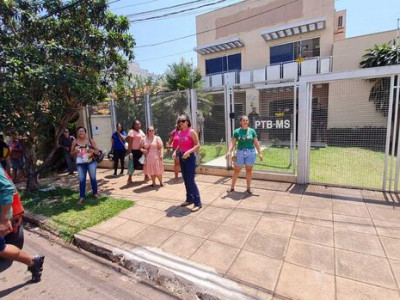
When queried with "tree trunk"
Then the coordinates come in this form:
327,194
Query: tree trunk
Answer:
32,183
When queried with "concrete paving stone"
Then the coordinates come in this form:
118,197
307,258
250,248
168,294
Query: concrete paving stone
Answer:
87,235
143,214
387,215
174,222
358,242
282,210
200,228
317,257
152,236
315,221
215,214
226,202
353,290
242,219
254,204
165,206
232,236
349,208
354,193
297,282
215,255
108,225
392,247
275,226
267,244
253,292
288,194
278,215
123,233
318,203
349,223
388,229
363,267
315,214
147,203
318,190
215,190
207,198
395,264
182,245
289,201
267,185
313,234
256,269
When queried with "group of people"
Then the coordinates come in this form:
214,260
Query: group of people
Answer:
14,152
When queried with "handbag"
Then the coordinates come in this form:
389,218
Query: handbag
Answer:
142,159
99,157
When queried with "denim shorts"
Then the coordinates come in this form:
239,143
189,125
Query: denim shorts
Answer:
2,244
246,157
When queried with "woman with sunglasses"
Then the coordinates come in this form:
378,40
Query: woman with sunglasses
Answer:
152,148
188,144
246,139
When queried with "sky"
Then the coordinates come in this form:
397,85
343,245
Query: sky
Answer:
363,17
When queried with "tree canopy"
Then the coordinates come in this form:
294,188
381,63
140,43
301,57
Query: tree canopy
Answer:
54,61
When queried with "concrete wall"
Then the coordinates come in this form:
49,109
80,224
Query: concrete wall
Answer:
349,105
347,54
255,54
102,131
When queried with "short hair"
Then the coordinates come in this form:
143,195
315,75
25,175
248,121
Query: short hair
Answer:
81,127
186,118
134,123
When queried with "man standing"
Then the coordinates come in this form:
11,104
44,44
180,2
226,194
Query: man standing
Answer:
7,251
65,143
253,117
4,152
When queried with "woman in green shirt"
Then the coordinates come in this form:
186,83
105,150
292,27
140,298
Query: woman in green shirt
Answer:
246,140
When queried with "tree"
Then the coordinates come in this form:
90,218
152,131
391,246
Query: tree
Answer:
54,60
378,56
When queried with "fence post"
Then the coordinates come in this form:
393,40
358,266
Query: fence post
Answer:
147,110
229,112
303,165
113,115
193,109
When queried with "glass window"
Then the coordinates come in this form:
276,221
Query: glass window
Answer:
281,53
223,64
289,52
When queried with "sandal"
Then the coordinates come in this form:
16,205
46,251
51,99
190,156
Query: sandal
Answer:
80,201
249,191
186,203
96,196
196,208
230,190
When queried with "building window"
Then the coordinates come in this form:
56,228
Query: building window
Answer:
340,22
291,51
224,64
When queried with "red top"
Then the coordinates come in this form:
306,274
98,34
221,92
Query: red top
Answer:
175,138
185,140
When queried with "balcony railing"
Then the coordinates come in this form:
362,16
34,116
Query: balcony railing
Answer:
274,73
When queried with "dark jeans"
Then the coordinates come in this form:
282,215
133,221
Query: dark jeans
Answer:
136,155
119,155
188,169
69,161
83,169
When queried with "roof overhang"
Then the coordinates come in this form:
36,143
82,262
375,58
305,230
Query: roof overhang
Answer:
294,29
220,46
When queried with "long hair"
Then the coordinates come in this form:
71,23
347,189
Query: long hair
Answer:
187,119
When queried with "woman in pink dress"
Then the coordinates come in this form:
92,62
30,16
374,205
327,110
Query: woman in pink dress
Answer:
152,147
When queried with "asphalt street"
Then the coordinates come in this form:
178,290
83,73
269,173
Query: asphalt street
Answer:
71,274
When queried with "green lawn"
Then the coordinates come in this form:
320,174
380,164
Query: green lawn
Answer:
352,166
210,152
66,216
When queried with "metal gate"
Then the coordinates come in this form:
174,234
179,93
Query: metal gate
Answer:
349,129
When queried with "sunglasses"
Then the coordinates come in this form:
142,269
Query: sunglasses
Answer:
182,121
151,130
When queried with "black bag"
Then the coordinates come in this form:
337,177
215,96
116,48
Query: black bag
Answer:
99,157
110,154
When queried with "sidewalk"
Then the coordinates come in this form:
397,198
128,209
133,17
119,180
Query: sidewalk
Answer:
284,241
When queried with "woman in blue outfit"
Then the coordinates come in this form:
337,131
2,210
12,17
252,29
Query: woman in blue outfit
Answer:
84,149
118,148
246,140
